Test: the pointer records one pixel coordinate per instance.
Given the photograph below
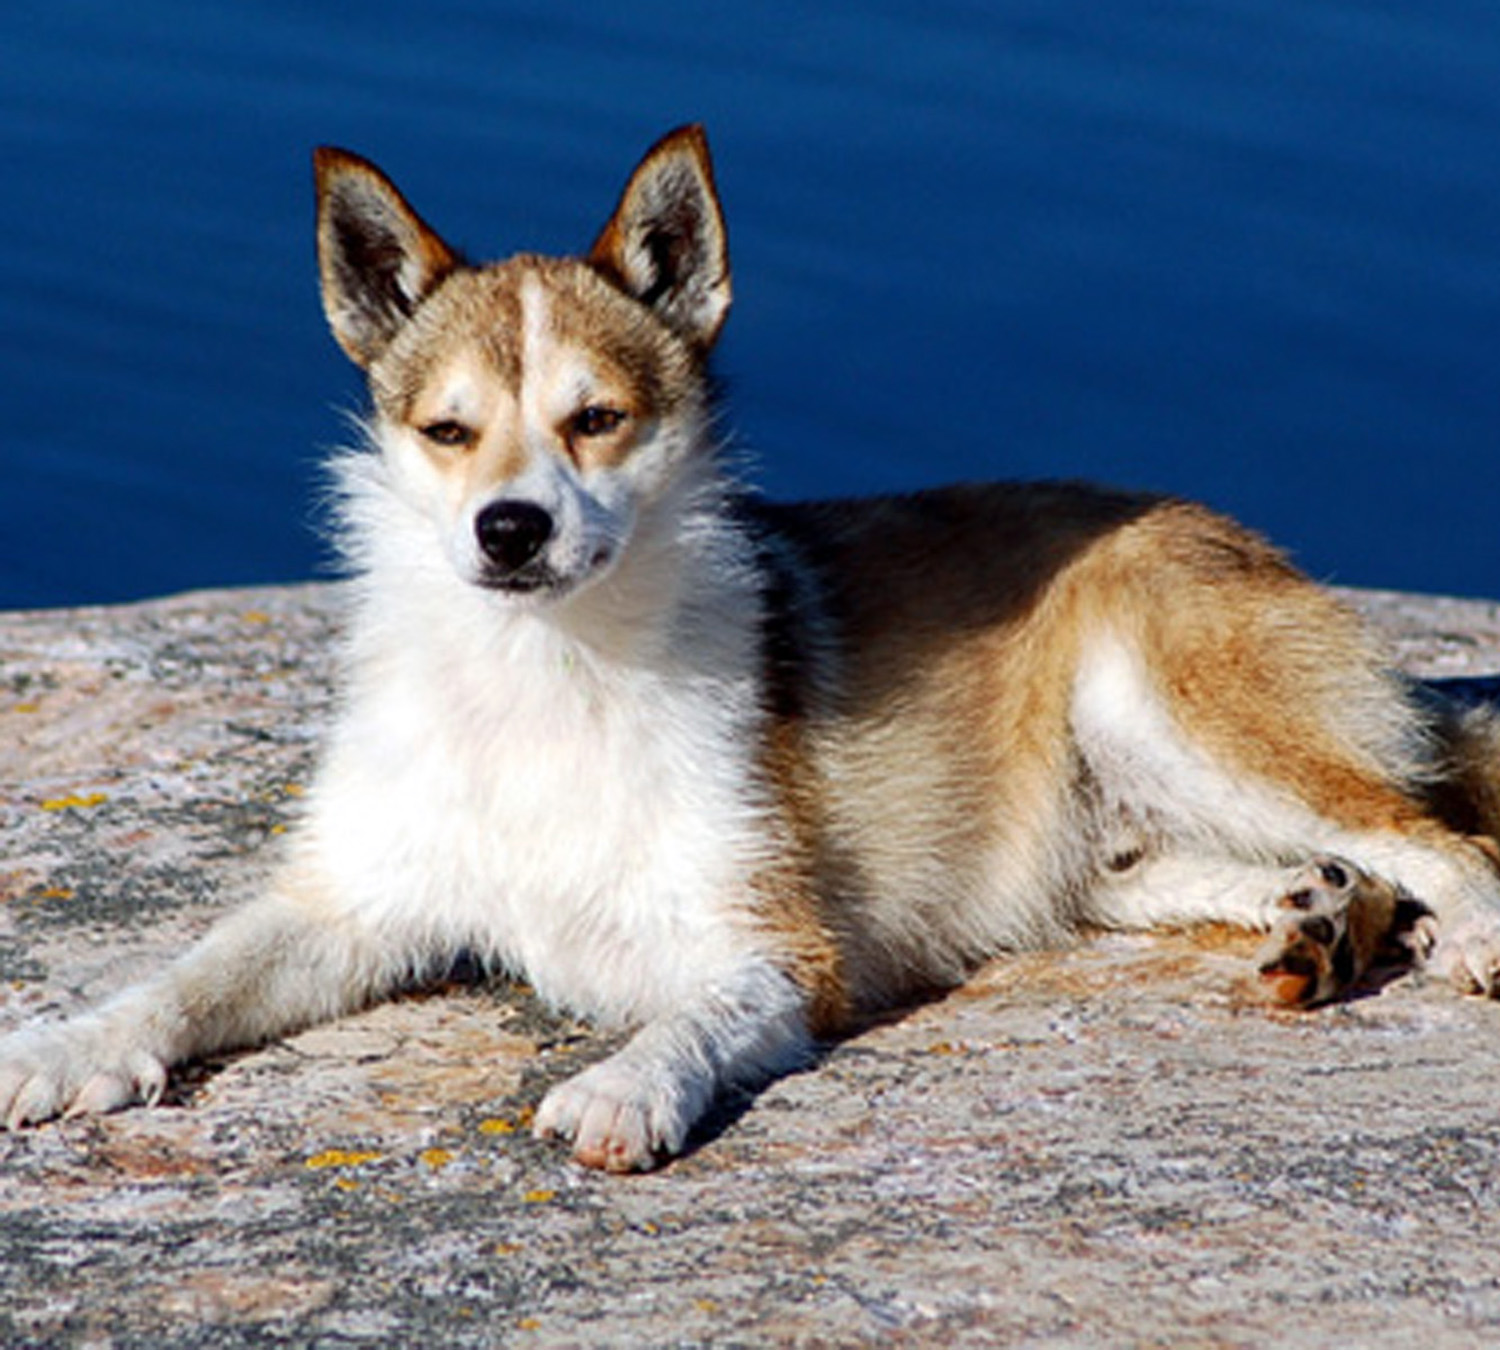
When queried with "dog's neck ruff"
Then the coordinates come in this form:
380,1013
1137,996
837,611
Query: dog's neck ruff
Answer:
688,562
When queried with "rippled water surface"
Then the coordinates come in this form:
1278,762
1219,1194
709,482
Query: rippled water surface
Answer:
1240,250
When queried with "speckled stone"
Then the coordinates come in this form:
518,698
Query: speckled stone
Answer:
1111,1145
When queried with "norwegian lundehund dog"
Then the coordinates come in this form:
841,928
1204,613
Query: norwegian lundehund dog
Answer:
733,772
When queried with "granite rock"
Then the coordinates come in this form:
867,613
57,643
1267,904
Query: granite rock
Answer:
1109,1145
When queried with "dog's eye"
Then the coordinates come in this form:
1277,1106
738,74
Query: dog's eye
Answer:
595,420
448,432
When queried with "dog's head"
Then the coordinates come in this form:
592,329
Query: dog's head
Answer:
530,408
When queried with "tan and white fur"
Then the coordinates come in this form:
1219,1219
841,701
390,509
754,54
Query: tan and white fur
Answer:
732,772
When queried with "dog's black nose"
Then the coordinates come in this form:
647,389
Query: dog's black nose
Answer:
511,534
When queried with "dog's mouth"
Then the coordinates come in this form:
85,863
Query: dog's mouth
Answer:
530,581
540,580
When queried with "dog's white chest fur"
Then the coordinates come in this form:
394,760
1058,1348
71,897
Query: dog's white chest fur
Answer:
587,821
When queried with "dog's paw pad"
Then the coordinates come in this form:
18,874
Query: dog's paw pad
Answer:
1336,924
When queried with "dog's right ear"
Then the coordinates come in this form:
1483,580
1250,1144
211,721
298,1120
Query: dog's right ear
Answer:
377,258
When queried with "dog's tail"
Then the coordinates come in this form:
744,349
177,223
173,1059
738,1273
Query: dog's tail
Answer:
1467,720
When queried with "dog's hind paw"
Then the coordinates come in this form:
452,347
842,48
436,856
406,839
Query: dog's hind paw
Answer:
72,1069
620,1115
1338,924
1468,953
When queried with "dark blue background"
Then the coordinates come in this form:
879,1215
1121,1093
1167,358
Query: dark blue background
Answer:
1242,250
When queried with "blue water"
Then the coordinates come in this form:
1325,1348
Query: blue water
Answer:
1244,250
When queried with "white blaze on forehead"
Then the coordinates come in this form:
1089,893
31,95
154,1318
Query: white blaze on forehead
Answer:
556,376
536,322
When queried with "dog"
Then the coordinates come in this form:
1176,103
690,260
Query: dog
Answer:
734,773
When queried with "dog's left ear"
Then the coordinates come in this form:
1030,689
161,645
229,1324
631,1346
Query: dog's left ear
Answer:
666,243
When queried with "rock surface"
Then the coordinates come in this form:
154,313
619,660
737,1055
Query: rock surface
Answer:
1110,1145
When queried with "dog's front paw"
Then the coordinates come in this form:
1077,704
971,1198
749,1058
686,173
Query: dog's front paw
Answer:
620,1115
73,1069
1337,924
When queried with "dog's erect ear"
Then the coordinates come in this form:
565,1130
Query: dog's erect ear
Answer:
666,243
376,256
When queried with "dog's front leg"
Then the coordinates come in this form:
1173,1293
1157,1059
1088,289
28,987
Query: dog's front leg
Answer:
281,963
635,1108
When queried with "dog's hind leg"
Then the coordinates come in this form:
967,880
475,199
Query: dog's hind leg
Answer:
1330,923
1217,810
1178,889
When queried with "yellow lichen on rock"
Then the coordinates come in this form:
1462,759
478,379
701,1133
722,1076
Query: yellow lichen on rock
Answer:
338,1157
78,800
